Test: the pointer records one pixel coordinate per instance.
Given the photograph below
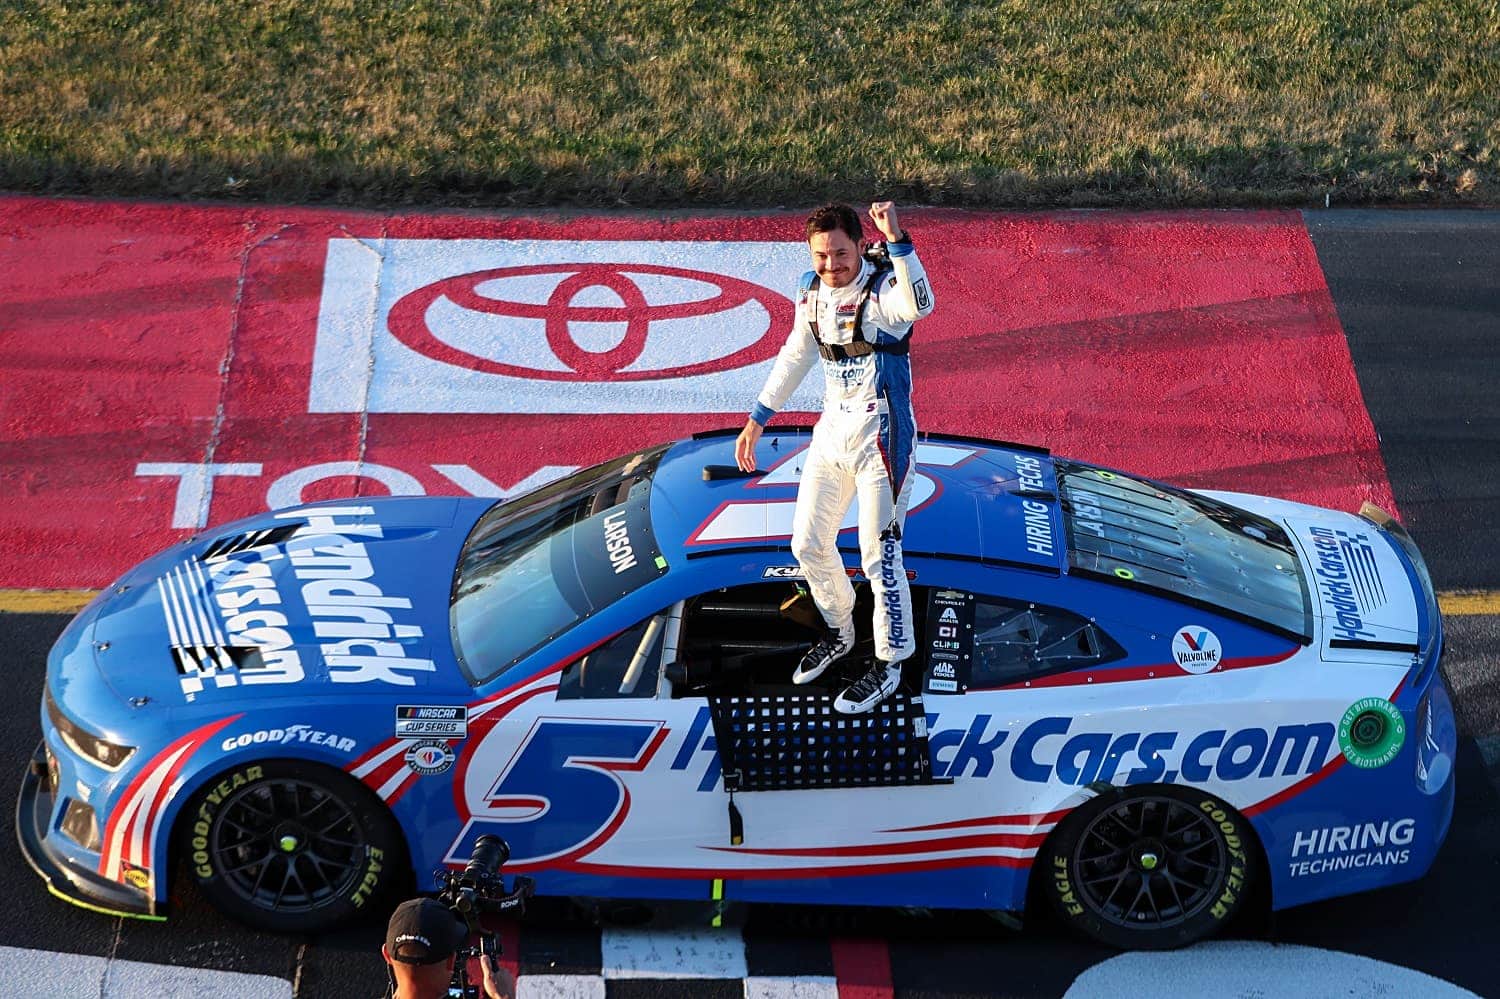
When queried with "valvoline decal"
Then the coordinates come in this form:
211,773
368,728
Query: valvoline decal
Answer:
1058,750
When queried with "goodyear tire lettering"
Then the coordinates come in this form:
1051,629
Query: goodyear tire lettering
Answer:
367,872
1073,869
1234,882
206,812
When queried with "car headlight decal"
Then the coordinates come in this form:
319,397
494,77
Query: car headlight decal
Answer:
108,755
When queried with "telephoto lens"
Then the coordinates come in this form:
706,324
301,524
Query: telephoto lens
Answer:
490,853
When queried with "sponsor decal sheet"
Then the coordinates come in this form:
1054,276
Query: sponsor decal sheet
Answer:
167,368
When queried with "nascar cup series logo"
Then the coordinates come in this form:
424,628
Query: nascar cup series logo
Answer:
1196,649
551,326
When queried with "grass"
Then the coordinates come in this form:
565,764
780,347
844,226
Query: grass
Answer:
745,103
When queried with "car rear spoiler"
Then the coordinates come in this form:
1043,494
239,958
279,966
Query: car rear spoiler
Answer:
1392,527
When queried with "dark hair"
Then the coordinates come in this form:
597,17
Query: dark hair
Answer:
831,217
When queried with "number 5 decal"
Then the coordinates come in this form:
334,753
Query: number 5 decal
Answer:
771,519
560,795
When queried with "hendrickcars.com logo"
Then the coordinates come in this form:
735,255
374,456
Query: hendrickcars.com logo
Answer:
550,326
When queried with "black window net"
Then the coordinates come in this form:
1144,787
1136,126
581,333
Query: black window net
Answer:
779,742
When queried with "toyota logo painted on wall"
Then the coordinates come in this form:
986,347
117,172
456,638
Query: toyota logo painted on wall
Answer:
409,319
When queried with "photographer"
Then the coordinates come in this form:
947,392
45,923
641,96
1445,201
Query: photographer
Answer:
422,941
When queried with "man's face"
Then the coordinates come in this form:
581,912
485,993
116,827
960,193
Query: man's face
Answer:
835,257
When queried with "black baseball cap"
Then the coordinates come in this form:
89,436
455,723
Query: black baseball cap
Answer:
423,931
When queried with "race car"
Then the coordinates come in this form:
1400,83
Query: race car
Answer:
1143,704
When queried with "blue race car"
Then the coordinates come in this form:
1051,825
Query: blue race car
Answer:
1141,702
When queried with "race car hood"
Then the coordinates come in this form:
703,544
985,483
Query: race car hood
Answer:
349,595
1365,594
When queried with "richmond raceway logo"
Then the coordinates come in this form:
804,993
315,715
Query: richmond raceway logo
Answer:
550,326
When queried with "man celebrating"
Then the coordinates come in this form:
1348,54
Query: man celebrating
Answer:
857,314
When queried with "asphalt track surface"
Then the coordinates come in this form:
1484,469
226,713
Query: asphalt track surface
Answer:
1418,297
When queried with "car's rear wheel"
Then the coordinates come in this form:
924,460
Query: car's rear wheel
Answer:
1148,868
292,846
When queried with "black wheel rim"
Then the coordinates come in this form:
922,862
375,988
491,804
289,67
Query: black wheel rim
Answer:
1149,863
287,845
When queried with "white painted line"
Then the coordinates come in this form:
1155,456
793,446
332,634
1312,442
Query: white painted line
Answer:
134,980
1242,968
791,988
559,987
40,974
675,953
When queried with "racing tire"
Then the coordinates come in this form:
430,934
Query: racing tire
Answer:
1154,867
293,847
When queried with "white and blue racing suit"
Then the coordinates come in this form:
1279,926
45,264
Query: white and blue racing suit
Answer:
862,445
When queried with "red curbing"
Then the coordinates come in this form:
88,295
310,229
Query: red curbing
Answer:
862,967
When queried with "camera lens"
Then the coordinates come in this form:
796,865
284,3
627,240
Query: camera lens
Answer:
490,852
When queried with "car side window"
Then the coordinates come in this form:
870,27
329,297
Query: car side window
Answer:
1015,640
627,665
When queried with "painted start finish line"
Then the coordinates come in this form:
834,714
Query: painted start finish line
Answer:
169,367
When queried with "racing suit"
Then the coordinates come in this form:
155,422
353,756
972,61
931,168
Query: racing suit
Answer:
862,445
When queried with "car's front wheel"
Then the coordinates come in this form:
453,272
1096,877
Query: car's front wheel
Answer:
1148,868
292,846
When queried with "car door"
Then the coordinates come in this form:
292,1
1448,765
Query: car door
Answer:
576,772
969,836
825,823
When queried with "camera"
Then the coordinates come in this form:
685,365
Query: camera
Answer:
474,891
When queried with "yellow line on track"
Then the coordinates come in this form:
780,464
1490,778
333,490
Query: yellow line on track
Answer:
1454,603
1457,603
44,601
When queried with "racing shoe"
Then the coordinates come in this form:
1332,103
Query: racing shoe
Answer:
828,650
869,690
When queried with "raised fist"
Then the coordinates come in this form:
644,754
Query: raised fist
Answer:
883,214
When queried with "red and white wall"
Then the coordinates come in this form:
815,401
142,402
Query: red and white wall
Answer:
167,367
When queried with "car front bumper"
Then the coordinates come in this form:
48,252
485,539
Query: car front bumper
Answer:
65,877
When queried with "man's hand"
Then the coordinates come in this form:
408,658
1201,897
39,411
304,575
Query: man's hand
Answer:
498,982
883,214
744,448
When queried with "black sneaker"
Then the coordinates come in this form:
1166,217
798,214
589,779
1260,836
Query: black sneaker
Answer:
869,690
828,650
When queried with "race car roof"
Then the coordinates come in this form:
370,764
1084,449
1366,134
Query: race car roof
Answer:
973,499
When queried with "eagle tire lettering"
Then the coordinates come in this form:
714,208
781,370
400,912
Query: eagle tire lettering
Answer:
1062,885
325,842
370,883
1113,872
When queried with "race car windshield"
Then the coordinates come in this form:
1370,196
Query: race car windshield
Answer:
536,566
1201,550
